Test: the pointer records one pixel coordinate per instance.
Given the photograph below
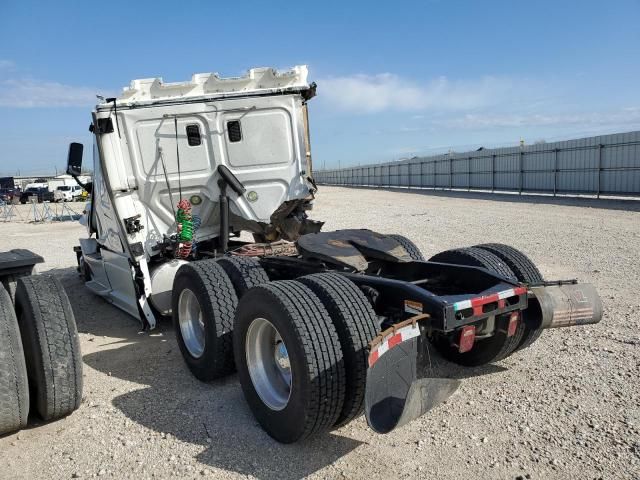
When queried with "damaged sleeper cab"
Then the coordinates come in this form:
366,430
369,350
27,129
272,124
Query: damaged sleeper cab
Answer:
320,326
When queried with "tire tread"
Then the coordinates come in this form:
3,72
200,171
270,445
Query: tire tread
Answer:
223,302
14,389
244,272
411,248
53,357
474,256
356,324
526,272
316,335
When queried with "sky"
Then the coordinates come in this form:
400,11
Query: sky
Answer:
395,79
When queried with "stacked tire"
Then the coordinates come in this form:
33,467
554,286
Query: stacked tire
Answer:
40,362
299,346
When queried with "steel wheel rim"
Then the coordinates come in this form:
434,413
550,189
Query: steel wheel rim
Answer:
191,323
268,364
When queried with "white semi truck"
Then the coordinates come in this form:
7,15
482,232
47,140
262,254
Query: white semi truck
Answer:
319,325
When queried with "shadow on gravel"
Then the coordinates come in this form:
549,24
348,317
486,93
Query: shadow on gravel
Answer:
631,205
172,402
169,400
212,415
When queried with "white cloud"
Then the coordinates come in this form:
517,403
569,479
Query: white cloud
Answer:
22,91
29,93
387,91
624,116
6,64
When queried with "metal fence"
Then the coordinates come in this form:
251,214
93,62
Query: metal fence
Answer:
603,165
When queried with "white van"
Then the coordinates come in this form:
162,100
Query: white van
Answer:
67,193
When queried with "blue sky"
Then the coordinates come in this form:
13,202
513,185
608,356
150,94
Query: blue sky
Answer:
395,79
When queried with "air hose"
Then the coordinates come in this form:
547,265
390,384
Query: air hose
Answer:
186,224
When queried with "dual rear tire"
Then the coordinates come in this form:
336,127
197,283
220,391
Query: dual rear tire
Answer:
323,324
511,264
526,272
299,346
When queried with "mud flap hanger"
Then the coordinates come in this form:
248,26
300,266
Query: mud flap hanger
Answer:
400,384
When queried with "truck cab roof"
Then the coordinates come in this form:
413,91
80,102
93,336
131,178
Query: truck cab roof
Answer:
257,81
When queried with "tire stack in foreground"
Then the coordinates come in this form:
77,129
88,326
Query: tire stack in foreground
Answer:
40,361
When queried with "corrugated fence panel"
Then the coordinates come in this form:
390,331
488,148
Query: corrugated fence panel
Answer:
607,164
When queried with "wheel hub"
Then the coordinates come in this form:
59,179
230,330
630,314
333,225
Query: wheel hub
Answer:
268,363
191,323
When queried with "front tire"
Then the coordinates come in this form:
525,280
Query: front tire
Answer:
203,305
289,360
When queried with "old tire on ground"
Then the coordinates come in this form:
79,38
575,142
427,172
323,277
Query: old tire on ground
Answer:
14,386
51,345
244,272
10,282
496,347
411,248
357,324
526,272
203,306
289,360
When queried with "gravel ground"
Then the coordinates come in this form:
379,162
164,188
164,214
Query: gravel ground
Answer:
568,407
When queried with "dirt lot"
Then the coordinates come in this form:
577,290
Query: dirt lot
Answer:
568,407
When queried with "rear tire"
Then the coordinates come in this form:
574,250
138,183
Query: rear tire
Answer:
526,272
411,248
14,386
311,400
204,327
475,257
488,350
357,325
51,345
244,272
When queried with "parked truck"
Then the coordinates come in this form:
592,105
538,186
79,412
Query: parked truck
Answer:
319,325
36,194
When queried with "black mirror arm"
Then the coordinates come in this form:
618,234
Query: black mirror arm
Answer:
87,186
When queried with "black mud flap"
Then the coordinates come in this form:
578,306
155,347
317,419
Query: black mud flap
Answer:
399,388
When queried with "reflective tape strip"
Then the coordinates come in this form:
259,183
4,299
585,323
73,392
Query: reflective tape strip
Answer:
506,294
495,297
462,305
401,335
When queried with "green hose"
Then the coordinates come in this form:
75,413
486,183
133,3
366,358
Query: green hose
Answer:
184,220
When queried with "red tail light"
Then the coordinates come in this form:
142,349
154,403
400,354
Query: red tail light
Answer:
467,337
513,324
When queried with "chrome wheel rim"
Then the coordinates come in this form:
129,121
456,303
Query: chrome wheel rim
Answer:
191,323
268,364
